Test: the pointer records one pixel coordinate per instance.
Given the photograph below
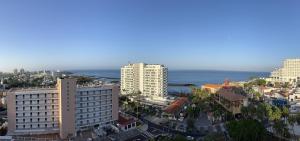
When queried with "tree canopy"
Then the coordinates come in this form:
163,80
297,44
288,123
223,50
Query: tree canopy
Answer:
246,130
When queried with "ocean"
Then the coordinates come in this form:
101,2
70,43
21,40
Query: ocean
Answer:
196,77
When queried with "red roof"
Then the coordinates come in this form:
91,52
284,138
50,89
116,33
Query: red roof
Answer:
125,121
176,105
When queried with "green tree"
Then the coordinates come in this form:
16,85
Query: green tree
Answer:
274,113
281,129
246,130
214,137
285,112
260,82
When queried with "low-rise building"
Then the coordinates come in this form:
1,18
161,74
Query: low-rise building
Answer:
176,108
212,88
126,123
231,101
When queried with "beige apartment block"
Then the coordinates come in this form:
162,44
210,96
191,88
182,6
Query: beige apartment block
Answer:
63,110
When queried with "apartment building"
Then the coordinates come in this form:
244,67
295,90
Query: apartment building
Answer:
96,106
62,110
290,72
148,79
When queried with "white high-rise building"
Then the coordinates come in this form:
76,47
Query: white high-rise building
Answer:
147,79
290,72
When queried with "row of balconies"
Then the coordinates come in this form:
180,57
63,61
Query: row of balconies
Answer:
38,114
94,103
92,110
37,120
93,98
97,119
38,108
92,122
97,92
35,102
36,126
36,96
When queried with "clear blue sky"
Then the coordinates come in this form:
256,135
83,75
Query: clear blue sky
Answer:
248,35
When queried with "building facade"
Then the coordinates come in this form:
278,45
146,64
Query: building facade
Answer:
290,72
62,110
149,80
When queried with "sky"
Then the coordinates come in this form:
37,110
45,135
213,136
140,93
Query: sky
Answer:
240,35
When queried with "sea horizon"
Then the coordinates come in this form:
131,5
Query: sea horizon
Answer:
195,77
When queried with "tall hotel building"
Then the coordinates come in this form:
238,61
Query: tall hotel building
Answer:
290,72
63,110
149,80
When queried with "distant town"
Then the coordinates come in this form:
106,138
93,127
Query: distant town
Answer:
59,105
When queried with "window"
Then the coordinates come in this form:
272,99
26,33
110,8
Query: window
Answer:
38,125
46,125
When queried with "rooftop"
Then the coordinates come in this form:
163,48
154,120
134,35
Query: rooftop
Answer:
231,96
176,105
215,86
125,120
